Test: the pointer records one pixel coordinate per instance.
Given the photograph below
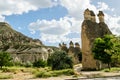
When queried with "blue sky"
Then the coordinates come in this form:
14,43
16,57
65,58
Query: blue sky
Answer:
56,21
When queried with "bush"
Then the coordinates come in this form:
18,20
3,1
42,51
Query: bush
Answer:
39,63
11,63
18,63
5,59
60,60
28,64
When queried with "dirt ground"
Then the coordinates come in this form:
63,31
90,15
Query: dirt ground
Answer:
28,76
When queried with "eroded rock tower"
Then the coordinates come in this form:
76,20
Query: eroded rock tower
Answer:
91,30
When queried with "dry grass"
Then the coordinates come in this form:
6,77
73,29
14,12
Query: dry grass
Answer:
5,76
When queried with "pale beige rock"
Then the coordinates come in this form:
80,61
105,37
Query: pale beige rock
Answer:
90,31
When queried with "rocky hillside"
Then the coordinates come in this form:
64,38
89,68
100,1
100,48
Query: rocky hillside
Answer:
21,47
10,37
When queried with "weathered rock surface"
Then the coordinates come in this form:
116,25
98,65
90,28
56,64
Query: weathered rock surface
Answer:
73,51
90,31
21,47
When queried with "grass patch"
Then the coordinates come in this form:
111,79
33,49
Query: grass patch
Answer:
5,76
12,69
38,72
113,69
16,69
55,73
43,74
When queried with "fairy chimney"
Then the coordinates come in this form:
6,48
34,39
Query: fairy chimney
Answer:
92,16
73,52
101,16
87,15
71,44
77,45
64,47
90,31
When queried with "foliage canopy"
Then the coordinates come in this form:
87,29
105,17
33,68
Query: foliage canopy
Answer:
5,59
60,60
102,49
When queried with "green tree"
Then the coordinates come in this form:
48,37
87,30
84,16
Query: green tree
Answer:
116,50
39,63
102,49
60,60
5,59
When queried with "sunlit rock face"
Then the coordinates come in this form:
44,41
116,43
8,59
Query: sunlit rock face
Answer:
21,47
90,31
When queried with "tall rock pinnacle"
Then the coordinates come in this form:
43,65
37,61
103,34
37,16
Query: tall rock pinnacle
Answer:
90,31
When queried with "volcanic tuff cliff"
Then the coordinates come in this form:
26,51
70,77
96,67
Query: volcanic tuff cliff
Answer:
21,47
91,30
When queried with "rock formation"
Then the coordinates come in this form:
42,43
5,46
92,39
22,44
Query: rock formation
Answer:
90,31
63,47
73,51
21,47
78,53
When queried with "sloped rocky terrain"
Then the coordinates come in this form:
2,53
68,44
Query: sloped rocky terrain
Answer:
21,47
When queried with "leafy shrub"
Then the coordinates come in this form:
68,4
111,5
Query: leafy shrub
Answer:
18,63
11,63
39,63
60,60
5,59
28,64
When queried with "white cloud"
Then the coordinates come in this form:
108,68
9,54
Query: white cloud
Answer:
42,3
103,6
55,31
2,18
10,7
113,23
58,39
52,27
76,7
53,38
